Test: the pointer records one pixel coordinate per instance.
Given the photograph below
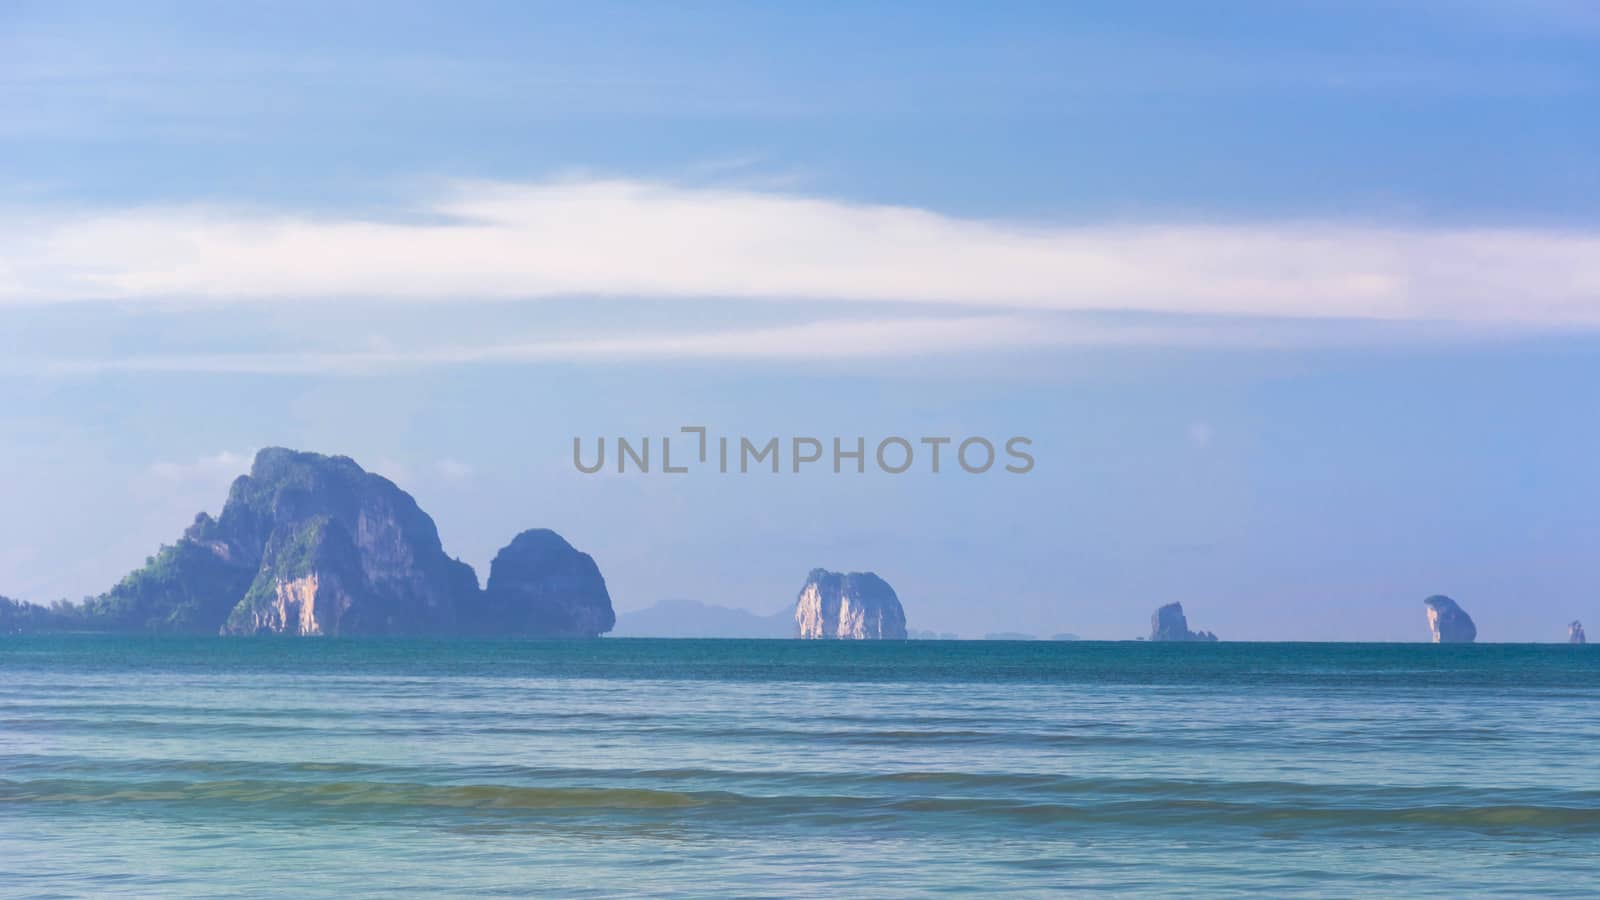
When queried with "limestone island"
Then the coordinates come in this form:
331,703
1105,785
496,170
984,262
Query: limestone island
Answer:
1169,624
1448,622
855,606
310,545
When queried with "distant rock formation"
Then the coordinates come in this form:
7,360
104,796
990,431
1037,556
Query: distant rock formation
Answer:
1449,623
854,606
1168,624
1575,633
314,545
1009,636
692,619
1065,636
927,635
540,585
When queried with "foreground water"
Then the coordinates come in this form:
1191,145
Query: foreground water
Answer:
334,768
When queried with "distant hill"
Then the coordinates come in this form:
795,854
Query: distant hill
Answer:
679,618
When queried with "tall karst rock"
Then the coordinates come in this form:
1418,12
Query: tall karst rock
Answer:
345,551
1169,624
1448,622
853,606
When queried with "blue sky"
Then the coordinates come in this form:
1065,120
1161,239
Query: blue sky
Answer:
1298,301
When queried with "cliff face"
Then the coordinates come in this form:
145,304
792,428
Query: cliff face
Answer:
855,606
341,551
314,545
1169,624
1448,622
539,584
1575,633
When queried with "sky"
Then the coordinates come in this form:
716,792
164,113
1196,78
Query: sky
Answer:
1297,303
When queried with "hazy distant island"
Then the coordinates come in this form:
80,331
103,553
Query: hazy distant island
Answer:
678,618
314,545
1575,633
1169,624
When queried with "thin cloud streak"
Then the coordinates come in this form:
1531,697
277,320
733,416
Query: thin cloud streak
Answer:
836,340
506,241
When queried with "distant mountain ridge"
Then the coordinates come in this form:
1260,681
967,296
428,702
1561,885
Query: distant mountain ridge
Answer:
678,618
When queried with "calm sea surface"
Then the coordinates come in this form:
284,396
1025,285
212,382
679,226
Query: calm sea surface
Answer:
695,768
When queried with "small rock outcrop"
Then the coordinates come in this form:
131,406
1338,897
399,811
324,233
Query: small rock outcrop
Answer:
541,585
1169,624
853,606
1575,633
1448,622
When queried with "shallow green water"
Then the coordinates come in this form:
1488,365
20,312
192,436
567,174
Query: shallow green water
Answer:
332,768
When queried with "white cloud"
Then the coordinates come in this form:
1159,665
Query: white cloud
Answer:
179,488
833,339
635,239
392,469
453,470
830,339
220,467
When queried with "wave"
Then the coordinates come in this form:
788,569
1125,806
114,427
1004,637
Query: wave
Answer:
346,793
1095,802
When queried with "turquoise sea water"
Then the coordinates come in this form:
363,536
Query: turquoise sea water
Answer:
749,768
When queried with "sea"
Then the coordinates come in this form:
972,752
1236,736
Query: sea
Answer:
168,767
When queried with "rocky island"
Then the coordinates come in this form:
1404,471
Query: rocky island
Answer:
1575,633
853,606
1448,622
1169,624
312,545
540,584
